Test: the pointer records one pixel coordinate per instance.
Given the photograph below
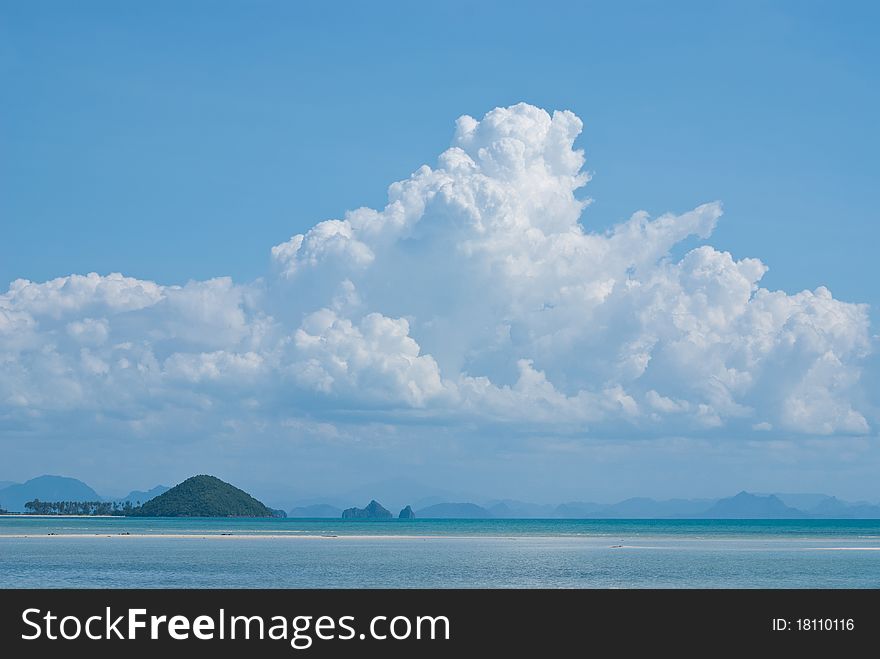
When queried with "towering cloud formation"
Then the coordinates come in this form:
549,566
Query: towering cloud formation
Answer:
476,294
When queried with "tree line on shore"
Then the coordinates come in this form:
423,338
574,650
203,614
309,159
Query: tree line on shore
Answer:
37,507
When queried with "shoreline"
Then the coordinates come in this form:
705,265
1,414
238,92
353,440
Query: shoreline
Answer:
597,541
291,536
32,515
275,536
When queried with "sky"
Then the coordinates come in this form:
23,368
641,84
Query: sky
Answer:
568,253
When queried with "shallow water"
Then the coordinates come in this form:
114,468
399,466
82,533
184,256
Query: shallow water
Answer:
295,553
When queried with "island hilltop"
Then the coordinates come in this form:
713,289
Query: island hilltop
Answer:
203,496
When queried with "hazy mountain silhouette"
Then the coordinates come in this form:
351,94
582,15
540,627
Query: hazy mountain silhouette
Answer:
454,511
46,488
316,510
141,496
751,506
835,508
512,509
800,501
634,508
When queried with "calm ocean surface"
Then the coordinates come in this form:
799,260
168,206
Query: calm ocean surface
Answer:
298,553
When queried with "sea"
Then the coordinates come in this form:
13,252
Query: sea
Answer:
117,552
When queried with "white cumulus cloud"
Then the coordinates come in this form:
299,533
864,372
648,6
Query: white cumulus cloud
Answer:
478,292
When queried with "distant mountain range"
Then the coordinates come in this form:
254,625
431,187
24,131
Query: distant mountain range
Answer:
431,503
137,497
741,506
454,511
317,510
13,496
512,509
635,507
752,506
45,488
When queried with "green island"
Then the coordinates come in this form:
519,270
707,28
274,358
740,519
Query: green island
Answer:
203,496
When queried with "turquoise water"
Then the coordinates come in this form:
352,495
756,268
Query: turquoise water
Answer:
296,553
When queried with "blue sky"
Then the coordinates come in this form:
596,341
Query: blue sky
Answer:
175,141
